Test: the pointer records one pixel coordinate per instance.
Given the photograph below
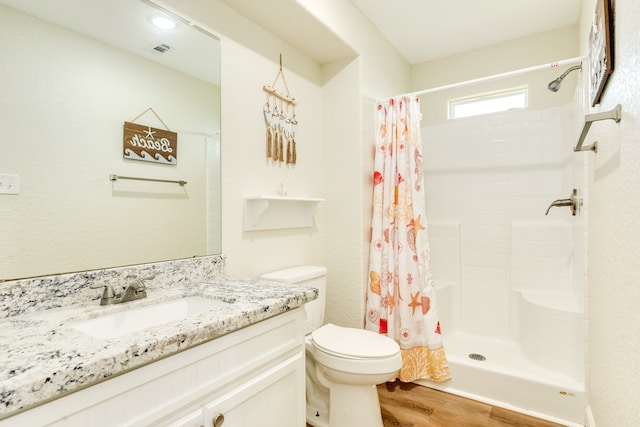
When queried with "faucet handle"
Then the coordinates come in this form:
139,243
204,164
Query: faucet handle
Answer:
574,201
135,289
138,283
108,293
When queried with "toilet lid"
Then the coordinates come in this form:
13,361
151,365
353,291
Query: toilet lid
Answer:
353,343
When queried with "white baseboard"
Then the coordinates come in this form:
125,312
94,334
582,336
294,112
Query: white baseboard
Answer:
588,417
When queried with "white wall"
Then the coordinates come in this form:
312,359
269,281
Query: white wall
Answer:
614,208
344,188
350,92
63,101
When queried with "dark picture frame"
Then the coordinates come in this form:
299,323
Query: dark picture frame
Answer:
601,50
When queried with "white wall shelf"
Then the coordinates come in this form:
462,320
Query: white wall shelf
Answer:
279,212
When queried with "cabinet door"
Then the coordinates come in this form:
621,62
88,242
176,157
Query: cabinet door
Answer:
273,398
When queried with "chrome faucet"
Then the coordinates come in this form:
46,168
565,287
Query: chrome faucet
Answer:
135,290
574,202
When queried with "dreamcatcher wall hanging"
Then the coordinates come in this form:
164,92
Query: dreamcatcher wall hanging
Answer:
281,123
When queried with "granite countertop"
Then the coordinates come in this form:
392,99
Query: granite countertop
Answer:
43,357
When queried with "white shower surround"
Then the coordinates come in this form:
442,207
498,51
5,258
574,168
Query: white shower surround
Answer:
510,280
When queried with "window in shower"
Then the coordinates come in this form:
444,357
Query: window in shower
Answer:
487,103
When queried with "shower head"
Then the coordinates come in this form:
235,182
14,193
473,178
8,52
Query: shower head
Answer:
555,85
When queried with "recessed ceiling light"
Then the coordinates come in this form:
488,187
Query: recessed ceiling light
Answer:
163,22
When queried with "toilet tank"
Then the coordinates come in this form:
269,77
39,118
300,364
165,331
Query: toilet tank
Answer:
307,275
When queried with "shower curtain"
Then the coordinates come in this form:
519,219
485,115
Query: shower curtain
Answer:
401,297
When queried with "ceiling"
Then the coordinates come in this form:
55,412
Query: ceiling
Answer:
126,24
423,30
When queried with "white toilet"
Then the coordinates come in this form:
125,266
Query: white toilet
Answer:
343,365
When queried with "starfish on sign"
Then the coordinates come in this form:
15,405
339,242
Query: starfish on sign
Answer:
149,133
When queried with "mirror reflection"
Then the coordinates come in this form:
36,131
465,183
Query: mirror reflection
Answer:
73,72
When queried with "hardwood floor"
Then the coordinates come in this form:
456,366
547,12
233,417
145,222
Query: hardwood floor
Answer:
410,405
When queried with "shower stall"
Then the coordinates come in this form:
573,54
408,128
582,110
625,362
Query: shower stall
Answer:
510,280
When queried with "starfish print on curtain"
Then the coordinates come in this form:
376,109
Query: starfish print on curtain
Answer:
401,297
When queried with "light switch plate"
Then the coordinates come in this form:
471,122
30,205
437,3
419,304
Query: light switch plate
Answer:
9,184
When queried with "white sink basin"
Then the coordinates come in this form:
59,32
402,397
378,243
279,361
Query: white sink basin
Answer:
125,322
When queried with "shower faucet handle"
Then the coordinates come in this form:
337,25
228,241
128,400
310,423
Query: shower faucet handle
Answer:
573,201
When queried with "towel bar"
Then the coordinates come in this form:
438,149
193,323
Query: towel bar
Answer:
615,114
114,177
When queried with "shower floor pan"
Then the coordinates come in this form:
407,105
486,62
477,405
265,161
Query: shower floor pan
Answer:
506,378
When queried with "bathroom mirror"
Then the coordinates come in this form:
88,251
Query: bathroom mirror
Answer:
73,71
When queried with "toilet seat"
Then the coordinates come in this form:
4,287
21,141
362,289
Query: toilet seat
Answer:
353,343
355,350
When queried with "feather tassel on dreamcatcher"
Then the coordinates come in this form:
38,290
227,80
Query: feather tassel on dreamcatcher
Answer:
281,123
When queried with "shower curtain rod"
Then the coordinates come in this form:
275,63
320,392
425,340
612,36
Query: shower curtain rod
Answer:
499,76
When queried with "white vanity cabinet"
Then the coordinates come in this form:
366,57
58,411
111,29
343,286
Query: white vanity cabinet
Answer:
250,377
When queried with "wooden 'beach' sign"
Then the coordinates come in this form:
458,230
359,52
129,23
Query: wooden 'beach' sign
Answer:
150,144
